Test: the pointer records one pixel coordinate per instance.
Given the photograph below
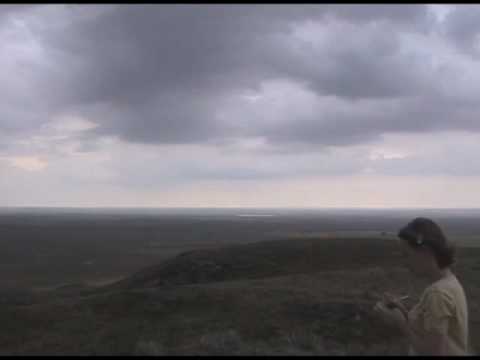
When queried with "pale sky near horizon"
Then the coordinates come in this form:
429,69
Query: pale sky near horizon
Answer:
240,105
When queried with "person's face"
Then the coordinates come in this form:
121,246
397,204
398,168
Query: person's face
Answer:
415,259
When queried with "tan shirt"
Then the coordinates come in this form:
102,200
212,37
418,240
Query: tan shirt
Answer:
443,305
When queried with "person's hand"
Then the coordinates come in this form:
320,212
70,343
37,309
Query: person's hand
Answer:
391,316
394,302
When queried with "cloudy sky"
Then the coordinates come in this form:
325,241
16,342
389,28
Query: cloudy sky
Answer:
240,105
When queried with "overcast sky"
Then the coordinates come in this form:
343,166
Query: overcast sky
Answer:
240,105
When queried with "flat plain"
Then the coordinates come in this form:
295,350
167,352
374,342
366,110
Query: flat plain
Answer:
221,281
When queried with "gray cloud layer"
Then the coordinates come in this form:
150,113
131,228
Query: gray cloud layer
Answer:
463,28
160,73
177,74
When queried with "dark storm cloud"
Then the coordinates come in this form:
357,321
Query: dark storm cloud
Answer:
169,118
462,26
162,73
353,66
133,52
9,9
354,126
401,14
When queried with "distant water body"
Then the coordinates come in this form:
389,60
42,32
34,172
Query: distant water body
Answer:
465,222
255,215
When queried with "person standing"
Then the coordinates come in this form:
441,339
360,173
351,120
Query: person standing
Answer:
438,323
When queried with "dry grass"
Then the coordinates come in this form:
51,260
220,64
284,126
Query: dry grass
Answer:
326,311
149,348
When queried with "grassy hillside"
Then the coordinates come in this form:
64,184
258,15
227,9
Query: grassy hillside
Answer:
291,296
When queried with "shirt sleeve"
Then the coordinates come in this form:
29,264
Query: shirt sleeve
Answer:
439,307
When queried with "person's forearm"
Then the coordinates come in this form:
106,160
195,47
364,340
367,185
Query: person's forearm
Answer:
415,341
421,345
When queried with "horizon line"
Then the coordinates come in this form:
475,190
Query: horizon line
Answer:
243,207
